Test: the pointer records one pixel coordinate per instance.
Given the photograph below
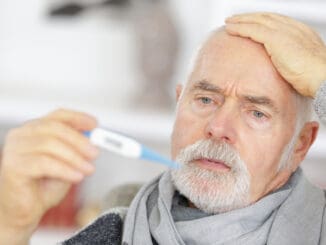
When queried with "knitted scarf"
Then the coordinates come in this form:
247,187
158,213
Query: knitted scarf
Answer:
293,214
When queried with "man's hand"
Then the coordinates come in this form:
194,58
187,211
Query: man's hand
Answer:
297,52
40,161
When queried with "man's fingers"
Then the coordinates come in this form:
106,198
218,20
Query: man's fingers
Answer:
57,149
78,120
276,21
255,18
248,17
65,133
263,18
43,166
297,52
256,32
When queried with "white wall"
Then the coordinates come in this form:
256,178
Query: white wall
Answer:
87,58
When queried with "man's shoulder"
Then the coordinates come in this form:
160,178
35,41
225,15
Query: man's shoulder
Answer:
106,229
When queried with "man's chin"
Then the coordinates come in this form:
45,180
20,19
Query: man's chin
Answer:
210,190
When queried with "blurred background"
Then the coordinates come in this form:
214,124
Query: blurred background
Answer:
120,61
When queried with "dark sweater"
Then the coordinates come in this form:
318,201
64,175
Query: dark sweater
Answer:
106,230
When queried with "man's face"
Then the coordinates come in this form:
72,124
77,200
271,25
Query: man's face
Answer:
234,99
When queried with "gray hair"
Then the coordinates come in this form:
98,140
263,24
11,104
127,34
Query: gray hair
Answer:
304,109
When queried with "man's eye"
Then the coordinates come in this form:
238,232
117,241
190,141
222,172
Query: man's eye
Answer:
258,114
205,100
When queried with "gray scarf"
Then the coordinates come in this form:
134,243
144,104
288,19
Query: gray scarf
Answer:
291,215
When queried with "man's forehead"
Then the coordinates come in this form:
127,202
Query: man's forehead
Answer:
225,59
219,40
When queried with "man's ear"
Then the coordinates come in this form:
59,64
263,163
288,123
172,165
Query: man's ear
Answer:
178,91
306,138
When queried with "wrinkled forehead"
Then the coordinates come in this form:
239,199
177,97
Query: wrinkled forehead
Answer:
225,60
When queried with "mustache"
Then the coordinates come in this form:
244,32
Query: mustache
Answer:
212,150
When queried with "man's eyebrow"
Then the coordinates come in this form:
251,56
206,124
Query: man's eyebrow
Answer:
204,85
260,100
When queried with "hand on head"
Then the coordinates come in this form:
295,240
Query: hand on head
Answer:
297,52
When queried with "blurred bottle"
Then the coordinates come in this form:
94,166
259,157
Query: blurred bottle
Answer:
157,46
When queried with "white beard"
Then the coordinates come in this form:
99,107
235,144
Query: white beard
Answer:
211,191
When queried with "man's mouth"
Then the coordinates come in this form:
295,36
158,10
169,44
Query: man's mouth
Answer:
213,164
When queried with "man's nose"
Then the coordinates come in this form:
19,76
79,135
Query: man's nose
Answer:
222,124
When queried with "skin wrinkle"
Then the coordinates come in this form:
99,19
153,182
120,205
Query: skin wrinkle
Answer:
228,65
259,100
205,85
304,103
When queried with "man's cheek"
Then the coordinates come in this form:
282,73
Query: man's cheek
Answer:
256,163
178,139
186,132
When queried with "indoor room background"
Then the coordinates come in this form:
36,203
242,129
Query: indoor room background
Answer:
120,61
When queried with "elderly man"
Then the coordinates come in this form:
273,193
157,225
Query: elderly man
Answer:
243,126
